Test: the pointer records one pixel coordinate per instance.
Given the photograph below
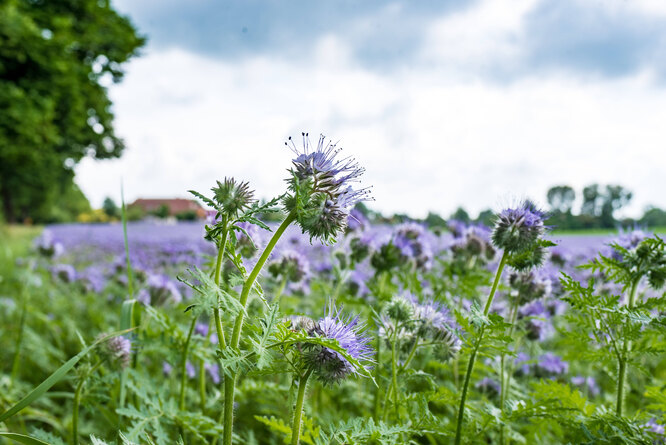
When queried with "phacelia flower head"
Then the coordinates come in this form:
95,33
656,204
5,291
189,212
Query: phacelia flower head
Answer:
291,265
159,290
118,350
329,365
47,246
232,197
518,229
320,192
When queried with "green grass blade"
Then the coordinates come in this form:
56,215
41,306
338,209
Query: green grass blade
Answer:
22,439
54,378
126,322
123,213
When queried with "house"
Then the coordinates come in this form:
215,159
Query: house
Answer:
175,206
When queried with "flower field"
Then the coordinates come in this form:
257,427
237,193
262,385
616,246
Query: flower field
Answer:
327,329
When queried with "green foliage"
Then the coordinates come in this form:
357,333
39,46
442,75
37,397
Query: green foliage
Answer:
54,58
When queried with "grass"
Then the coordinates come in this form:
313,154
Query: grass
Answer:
604,232
15,242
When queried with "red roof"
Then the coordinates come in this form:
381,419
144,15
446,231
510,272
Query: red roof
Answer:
175,205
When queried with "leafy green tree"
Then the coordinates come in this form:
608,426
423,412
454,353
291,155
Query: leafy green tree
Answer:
654,217
561,198
591,200
614,198
486,217
56,56
110,207
461,215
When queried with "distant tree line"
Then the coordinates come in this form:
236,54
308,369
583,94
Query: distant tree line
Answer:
598,210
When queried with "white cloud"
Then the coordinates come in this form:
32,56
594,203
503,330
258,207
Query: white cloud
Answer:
430,138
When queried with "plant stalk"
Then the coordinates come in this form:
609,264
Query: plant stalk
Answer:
626,349
298,411
477,345
183,365
230,381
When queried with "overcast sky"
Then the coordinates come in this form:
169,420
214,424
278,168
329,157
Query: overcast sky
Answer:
446,103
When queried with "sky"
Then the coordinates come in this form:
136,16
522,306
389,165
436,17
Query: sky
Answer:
473,103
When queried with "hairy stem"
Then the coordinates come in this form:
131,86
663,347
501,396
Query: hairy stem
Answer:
477,345
77,402
505,374
394,373
298,411
626,349
218,270
183,365
230,381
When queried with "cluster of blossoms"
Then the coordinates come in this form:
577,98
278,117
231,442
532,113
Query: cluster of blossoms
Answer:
291,266
320,195
159,290
407,320
519,232
326,364
47,246
118,350
471,241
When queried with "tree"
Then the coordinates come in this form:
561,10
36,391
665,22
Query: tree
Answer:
460,215
561,198
614,198
55,56
110,207
591,200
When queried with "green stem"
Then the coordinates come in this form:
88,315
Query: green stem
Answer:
394,372
626,349
202,386
280,289
505,374
19,340
128,265
183,365
377,372
218,269
298,412
77,402
477,345
230,381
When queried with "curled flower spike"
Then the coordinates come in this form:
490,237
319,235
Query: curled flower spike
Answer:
330,366
517,230
321,196
233,197
118,350
291,265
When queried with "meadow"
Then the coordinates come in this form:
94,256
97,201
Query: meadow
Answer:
326,329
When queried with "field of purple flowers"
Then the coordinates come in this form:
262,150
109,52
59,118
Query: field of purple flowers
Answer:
326,329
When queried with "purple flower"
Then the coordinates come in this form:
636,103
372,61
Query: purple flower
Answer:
328,365
321,196
247,245
656,428
119,350
410,239
291,265
166,368
213,371
518,229
538,324
550,364
190,370
489,386
47,246
160,290
64,272
522,362
201,329
586,383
